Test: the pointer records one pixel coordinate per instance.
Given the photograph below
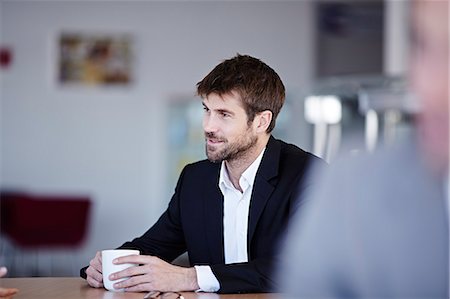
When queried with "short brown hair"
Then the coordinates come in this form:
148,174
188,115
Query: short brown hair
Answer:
258,85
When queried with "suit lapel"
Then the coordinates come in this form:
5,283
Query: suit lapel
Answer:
264,185
213,211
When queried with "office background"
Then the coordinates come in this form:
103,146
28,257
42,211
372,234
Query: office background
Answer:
111,143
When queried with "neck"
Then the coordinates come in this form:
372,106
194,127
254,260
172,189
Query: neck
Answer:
236,167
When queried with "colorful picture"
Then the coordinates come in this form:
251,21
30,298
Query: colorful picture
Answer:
95,59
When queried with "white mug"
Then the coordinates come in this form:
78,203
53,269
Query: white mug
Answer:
108,267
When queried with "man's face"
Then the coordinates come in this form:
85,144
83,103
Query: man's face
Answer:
228,134
430,78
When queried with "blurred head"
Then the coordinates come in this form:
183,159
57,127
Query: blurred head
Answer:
258,86
430,78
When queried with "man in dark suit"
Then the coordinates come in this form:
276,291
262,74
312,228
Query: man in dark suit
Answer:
228,212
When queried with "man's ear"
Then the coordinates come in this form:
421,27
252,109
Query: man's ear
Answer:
263,120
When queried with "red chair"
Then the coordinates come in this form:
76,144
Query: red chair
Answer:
43,222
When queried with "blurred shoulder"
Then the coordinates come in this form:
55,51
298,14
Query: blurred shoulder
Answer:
294,155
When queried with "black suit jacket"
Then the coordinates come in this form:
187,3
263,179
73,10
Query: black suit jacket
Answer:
193,221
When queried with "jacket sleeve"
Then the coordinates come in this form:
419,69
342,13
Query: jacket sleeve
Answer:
251,277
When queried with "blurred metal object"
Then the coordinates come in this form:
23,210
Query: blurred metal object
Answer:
338,106
385,107
325,112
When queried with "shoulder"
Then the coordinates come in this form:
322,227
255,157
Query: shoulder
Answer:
365,180
394,161
296,156
203,167
197,174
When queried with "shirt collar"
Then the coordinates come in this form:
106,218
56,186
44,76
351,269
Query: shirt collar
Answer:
247,178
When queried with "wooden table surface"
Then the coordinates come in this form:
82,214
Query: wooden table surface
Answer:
75,288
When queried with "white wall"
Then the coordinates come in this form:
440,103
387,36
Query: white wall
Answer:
110,143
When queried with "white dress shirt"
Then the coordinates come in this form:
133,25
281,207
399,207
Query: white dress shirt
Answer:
235,222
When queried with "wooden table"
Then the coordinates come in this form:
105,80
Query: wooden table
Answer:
76,288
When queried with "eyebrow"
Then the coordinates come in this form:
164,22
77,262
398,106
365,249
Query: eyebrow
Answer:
219,110
225,111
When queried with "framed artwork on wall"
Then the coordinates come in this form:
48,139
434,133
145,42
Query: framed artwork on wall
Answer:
95,59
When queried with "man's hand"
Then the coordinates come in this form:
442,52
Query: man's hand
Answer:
154,274
4,292
94,271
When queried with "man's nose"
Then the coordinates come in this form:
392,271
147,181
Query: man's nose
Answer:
209,124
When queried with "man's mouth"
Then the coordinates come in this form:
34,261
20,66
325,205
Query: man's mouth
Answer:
213,141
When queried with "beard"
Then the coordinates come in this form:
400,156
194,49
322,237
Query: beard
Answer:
229,151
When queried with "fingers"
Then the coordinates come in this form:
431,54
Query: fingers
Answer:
155,275
135,259
132,271
133,281
94,278
7,292
139,278
96,262
94,283
147,264
94,272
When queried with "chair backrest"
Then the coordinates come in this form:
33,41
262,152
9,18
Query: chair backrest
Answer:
31,221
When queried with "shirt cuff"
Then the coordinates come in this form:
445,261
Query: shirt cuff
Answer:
206,279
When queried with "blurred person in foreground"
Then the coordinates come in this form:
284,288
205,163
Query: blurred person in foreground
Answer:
378,225
6,292
228,212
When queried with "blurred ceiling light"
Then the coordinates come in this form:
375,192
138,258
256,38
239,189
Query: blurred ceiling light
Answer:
325,109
